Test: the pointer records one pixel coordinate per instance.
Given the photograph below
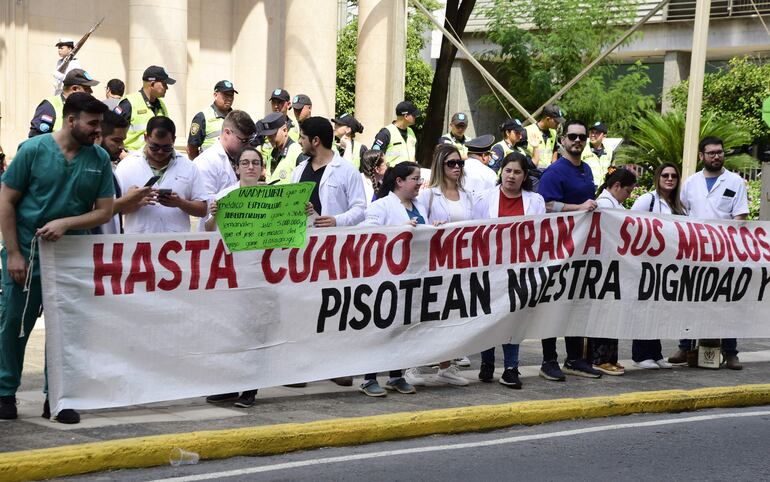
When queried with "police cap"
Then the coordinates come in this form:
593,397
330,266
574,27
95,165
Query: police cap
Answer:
406,107
155,73
459,119
225,86
279,94
512,125
598,127
79,77
270,124
67,42
551,110
300,100
480,144
350,121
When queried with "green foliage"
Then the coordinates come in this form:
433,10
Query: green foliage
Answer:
565,35
345,98
660,138
735,94
755,197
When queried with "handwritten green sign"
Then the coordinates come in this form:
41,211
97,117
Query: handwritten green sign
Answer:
263,217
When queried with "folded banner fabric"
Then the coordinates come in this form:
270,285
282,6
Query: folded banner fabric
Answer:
139,319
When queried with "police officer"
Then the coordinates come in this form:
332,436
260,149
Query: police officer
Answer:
206,126
397,140
456,134
513,134
64,46
303,108
478,176
285,154
48,115
139,107
345,129
596,155
541,137
280,101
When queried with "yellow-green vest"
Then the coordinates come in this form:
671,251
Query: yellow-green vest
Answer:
356,146
213,127
598,164
294,129
58,107
398,150
459,145
285,167
506,148
141,113
535,137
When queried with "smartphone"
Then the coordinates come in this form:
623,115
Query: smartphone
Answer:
164,192
151,181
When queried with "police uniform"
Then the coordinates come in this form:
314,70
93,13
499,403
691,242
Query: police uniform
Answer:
598,159
544,141
48,115
206,125
398,144
356,150
279,161
137,109
449,138
297,104
478,176
503,148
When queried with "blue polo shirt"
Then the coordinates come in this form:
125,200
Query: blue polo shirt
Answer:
562,181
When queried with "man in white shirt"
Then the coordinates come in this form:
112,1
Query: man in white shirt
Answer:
63,47
178,191
216,164
714,193
479,177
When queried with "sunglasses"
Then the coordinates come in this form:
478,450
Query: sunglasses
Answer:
452,164
574,137
669,176
163,148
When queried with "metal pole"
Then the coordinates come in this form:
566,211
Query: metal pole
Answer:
601,57
473,60
695,92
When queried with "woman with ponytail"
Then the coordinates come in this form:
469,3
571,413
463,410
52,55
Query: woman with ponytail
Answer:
373,168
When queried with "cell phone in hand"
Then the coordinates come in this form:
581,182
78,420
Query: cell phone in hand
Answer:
151,181
164,192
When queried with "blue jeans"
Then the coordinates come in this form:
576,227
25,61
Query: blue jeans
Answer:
729,345
510,356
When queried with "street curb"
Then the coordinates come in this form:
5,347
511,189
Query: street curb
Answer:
275,439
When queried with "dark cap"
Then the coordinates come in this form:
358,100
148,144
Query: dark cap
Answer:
407,108
154,73
270,124
599,127
512,125
480,144
300,100
350,121
554,112
225,86
79,77
280,94
68,42
459,118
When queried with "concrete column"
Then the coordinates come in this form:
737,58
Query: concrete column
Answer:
311,52
257,52
380,64
158,36
676,68
15,107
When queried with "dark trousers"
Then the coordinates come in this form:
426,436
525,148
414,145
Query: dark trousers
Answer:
574,346
602,350
729,345
646,350
393,374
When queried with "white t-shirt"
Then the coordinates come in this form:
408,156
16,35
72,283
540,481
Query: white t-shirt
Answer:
181,176
726,199
457,211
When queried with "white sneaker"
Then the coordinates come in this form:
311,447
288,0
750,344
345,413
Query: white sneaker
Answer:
451,376
647,364
663,363
462,362
419,376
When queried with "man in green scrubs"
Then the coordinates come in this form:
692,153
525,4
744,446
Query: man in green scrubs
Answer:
57,184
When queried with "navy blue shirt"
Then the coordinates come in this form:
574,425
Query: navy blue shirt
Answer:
566,183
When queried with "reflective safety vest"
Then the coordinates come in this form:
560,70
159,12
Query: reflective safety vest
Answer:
58,107
286,164
398,150
459,145
598,164
141,113
213,127
294,128
355,146
535,138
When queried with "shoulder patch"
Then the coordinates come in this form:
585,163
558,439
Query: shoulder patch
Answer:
376,147
117,110
43,127
46,118
194,129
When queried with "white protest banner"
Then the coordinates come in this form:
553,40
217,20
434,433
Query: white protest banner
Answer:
138,319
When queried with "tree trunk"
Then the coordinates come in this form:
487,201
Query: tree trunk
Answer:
456,18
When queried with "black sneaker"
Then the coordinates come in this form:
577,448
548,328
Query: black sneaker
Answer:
487,372
581,368
223,397
246,399
550,371
68,416
8,408
510,378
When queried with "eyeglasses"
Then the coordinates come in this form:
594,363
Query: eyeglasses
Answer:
669,176
163,148
248,162
455,163
714,153
574,137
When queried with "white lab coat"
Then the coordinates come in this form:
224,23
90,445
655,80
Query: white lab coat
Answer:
487,204
607,201
341,191
389,211
717,203
478,177
438,207
653,199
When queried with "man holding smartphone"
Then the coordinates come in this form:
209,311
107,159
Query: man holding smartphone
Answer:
178,193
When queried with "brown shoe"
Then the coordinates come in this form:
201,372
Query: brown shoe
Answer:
733,363
343,381
678,358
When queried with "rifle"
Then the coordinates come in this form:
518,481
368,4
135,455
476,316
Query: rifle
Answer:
63,67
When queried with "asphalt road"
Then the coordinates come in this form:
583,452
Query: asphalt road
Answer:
724,444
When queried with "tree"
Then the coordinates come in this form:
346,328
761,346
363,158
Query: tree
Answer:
456,18
345,96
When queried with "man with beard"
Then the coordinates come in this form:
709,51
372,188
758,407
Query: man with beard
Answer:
568,185
57,184
206,126
714,193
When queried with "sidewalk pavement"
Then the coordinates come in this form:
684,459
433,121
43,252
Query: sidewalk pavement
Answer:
323,400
